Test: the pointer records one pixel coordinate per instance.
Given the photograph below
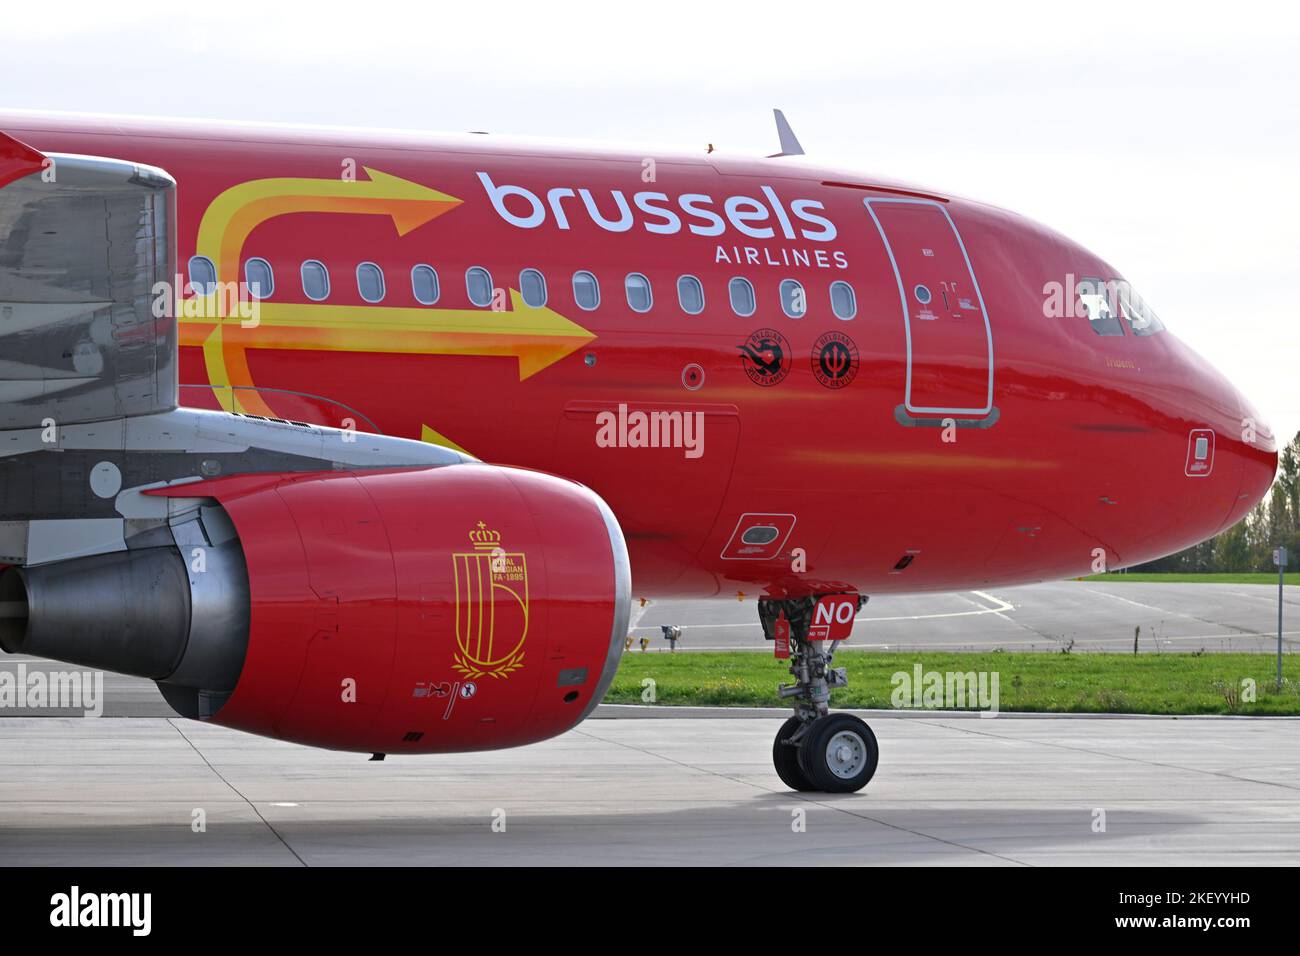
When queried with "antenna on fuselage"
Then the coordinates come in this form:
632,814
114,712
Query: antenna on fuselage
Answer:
789,142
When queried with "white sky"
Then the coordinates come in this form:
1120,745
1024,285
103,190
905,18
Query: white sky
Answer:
1164,138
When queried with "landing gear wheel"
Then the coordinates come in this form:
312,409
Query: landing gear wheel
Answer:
838,754
785,757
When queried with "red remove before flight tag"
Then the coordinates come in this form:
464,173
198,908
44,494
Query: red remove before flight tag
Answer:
781,636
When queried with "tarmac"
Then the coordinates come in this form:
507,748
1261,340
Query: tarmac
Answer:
950,790
138,785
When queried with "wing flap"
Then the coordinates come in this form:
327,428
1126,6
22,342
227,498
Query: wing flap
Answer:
84,242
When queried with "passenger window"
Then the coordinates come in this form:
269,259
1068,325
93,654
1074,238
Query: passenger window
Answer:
1142,319
586,290
844,302
424,284
370,282
203,275
315,280
793,300
639,296
478,283
260,278
1100,306
742,296
532,286
690,295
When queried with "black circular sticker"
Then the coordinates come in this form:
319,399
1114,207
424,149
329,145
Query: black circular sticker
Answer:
834,359
766,357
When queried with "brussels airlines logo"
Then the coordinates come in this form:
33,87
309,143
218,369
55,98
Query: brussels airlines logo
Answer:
664,215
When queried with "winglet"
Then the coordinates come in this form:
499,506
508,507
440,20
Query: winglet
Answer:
17,160
789,142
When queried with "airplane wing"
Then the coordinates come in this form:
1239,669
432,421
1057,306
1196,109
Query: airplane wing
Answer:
83,242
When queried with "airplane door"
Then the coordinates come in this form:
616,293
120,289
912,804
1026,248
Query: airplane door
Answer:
949,341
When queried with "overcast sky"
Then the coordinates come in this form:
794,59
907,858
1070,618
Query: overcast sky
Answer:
1164,139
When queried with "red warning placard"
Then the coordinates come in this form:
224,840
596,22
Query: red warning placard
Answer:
833,617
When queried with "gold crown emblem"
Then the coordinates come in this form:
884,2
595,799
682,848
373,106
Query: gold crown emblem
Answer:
484,538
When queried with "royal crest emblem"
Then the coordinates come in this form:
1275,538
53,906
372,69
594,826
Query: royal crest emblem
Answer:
491,607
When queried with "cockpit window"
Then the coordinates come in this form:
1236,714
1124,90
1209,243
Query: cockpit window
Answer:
1101,306
1142,319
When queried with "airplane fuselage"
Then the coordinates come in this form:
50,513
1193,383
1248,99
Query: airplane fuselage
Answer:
933,404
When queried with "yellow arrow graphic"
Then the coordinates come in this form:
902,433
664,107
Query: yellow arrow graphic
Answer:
433,437
240,209
536,337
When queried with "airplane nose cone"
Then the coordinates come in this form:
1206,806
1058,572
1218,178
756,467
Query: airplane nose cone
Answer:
1256,458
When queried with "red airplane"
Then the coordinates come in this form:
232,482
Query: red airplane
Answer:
252,375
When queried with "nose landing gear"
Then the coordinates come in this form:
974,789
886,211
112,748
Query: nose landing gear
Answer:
815,749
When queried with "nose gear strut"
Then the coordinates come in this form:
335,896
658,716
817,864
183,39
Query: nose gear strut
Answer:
815,749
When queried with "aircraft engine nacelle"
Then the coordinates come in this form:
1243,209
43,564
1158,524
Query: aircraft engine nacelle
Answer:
465,607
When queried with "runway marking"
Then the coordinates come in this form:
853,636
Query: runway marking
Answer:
638,612
999,612
1123,641
1190,617
1149,607
1003,607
